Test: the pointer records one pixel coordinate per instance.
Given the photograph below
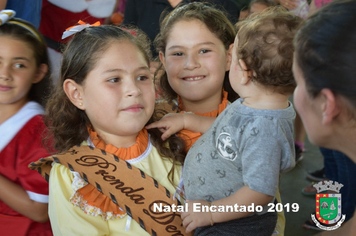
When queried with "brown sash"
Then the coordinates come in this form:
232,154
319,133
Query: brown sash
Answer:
127,186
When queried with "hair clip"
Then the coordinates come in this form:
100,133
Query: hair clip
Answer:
6,15
132,32
77,28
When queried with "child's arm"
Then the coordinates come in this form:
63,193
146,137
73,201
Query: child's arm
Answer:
243,197
17,198
3,4
174,122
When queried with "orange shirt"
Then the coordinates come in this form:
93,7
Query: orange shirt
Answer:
190,137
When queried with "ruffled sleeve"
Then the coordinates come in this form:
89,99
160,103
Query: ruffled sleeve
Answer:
92,202
66,219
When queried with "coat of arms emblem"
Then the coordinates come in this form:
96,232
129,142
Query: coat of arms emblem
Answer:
328,206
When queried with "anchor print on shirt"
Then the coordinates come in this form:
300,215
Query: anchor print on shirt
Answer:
241,129
199,157
254,131
214,155
230,191
268,117
209,198
201,180
224,129
226,147
202,141
221,173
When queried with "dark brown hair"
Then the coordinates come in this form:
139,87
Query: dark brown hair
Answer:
265,44
24,31
326,50
68,124
216,22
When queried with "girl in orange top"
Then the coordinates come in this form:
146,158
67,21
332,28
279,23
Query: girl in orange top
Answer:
194,45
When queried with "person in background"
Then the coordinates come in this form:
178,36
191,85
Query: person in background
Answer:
118,16
24,87
26,10
317,175
256,6
58,15
337,166
325,47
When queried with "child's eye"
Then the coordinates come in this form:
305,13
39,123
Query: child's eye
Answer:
142,78
19,66
205,51
114,80
178,54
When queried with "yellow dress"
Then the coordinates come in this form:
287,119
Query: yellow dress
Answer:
68,219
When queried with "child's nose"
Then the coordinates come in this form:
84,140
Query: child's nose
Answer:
192,62
4,72
133,89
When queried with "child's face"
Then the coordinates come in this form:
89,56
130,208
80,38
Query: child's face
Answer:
118,94
18,71
195,61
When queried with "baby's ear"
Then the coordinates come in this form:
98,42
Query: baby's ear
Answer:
246,73
229,57
74,92
40,73
162,58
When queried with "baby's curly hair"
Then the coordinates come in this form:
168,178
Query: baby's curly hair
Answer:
265,44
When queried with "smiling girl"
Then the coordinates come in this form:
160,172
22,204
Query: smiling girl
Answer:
264,82
194,45
24,83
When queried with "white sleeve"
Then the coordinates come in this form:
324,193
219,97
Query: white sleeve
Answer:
71,5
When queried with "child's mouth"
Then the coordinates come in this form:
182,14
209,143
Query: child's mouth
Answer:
195,78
